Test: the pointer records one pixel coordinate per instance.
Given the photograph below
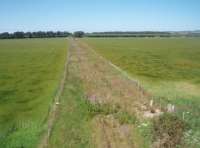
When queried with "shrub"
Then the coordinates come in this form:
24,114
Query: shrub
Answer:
168,131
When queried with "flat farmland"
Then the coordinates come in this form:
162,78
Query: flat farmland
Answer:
30,72
168,68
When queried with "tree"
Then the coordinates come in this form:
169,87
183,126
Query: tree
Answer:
50,34
79,34
19,35
28,35
66,34
4,35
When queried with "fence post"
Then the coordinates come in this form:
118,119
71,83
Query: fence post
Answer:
183,115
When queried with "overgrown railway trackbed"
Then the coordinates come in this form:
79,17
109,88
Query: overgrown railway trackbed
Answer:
105,84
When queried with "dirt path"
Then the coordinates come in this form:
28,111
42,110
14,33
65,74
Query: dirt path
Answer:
55,105
106,84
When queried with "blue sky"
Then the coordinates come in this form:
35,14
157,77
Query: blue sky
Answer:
99,15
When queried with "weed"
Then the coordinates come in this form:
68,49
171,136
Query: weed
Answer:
125,118
104,109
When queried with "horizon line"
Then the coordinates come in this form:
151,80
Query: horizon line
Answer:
191,30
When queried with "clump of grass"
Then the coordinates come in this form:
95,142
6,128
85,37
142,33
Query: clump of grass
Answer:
109,109
125,118
144,133
168,131
121,117
104,109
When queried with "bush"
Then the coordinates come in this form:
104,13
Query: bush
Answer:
168,131
79,34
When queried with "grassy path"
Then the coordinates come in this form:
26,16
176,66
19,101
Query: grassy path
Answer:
55,105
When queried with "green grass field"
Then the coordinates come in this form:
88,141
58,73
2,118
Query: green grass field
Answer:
169,68
30,71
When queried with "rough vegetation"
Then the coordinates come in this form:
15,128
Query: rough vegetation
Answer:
168,131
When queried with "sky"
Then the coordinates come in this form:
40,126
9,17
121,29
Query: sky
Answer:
99,15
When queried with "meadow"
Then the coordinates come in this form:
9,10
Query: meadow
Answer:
30,72
168,68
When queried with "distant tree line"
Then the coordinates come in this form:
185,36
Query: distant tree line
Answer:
79,34
144,34
38,34
129,34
